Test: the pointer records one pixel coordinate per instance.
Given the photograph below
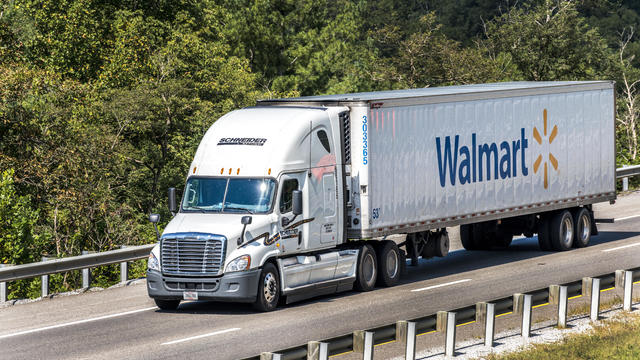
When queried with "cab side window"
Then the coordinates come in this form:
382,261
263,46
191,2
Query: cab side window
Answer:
287,195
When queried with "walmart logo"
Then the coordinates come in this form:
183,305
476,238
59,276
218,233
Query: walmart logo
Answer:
480,162
552,159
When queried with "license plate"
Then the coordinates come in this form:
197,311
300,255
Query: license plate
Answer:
190,295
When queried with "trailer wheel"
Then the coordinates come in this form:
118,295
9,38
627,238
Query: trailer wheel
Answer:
389,264
561,231
467,237
367,270
544,237
582,227
167,304
268,289
503,239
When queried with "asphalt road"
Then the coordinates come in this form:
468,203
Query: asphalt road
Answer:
124,323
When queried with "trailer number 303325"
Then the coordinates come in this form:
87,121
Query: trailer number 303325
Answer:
375,213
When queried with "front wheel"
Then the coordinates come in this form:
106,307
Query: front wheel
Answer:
167,304
268,289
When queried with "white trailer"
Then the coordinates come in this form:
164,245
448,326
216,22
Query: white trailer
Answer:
291,198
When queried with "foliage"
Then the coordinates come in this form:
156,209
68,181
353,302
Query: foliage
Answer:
103,102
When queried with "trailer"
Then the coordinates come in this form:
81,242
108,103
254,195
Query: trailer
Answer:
293,198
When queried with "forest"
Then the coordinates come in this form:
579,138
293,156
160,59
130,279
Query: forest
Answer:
103,102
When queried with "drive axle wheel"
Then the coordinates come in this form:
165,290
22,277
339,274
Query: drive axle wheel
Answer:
268,289
367,270
389,265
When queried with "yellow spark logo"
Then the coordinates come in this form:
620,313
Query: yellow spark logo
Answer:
552,159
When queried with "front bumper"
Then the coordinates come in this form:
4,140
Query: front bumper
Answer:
238,286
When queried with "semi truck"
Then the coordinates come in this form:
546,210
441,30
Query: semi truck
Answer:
294,198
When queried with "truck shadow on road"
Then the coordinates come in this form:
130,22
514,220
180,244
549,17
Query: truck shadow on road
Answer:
458,261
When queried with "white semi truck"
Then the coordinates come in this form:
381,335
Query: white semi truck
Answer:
295,197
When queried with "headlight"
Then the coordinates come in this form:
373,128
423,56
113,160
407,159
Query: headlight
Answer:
240,263
153,263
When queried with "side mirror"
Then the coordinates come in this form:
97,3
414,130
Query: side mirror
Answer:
246,220
297,202
154,218
172,200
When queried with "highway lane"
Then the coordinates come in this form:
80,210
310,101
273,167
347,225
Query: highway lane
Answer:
122,322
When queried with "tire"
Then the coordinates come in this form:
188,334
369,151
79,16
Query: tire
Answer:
268,289
503,239
467,237
561,231
582,228
389,264
167,304
441,243
367,270
544,239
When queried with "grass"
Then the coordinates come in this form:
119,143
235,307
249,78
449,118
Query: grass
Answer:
618,338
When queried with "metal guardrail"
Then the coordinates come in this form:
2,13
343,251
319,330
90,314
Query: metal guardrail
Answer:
363,341
81,262
627,171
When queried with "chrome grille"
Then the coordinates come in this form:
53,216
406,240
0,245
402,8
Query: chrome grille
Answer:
192,254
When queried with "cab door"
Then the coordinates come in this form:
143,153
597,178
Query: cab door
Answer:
292,230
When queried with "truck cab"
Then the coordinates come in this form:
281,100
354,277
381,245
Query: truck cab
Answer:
261,214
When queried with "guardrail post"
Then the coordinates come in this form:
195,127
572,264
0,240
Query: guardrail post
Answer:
363,343
124,269
591,288
446,321
486,314
86,273
522,305
270,356
558,296
317,350
624,282
625,181
406,333
4,291
45,281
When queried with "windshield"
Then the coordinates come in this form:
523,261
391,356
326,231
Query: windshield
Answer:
251,196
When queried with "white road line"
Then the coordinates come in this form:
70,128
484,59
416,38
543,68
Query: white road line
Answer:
75,323
201,336
626,218
441,285
621,247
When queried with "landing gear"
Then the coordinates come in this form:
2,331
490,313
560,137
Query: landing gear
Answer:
427,244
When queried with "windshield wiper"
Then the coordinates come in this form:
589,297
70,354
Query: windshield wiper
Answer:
238,208
202,210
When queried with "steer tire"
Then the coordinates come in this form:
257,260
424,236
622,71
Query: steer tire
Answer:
581,227
561,231
167,305
268,289
367,269
544,239
389,263
467,237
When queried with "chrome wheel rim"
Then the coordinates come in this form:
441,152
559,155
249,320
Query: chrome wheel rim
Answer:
567,232
368,268
586,228
270,287
392,264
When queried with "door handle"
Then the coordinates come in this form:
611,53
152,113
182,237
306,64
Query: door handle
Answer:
299,238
